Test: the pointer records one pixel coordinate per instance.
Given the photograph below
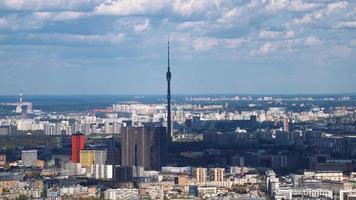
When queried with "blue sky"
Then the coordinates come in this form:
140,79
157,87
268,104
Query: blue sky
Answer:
218,46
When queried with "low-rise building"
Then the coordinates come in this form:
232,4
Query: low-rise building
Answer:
29,158
151,191
2,160
121,193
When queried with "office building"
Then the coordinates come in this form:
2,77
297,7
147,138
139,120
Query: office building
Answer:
100,157
87,158
90,157
143,146
77,145
61,160
29,158
124,174
113,157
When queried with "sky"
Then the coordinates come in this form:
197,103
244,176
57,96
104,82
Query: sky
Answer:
217,46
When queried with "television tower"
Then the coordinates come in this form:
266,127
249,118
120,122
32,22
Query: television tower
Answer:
169,118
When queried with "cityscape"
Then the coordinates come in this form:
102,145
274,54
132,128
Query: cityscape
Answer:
177,132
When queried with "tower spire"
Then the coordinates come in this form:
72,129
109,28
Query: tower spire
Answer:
169,119
169,67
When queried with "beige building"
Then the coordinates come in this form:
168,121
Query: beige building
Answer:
182,180
206,190
218,174
201,174
8,184
2,160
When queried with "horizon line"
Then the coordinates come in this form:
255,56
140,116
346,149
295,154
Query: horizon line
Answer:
194,94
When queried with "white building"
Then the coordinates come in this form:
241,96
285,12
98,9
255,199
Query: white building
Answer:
121,194
103,171
207,191
28,125
29,158
325,175
347,194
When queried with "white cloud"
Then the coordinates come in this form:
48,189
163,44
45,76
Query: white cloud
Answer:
234,43
37,20
152,7
188,7
312,41
292,43
319,14
304,20
269,34
227,16
142,27
266,48
240,14
3,22
299,5
113,39
276,34
40,5
191,25
110,38
129,7
277,4
346,24
14,22
340,51
59,16
290,5
205,43
289,34
353,43
335,6
208,24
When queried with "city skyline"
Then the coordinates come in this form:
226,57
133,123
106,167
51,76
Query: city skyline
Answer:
103,47
177,99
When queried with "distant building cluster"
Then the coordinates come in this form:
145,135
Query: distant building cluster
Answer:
237,147
188,116
311,185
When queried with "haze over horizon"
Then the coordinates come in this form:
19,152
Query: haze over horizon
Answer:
217,47
138,96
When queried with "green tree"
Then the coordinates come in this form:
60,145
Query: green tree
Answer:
22,197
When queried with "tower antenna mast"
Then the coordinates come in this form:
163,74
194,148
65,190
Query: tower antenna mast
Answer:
169,118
